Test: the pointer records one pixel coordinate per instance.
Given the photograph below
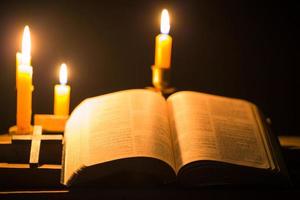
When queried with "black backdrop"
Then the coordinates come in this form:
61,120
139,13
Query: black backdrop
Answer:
243,49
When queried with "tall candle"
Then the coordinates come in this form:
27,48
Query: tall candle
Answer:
24,85
163,43
62,93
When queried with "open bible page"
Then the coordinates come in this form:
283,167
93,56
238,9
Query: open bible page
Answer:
124,124
208,127
74,142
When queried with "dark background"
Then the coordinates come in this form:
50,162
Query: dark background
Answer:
243,49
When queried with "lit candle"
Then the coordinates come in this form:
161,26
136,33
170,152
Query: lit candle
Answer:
24,56
163,43
62,93
24,85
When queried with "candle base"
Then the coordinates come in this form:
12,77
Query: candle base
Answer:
165,91
161,81
14,130
160,77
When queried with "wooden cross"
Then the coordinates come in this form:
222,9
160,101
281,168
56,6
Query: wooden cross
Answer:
36,139
35,145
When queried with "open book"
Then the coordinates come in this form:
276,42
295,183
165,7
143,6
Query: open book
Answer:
191,138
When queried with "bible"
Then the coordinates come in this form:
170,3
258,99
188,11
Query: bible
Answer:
191,138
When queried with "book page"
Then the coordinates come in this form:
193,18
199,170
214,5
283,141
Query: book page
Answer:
74,140
132,123
209,127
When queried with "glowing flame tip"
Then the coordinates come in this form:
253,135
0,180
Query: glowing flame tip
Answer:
63,74
165,22
26,42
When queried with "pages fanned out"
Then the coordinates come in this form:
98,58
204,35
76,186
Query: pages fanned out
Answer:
74,142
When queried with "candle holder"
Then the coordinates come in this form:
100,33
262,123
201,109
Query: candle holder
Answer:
160,77
161,80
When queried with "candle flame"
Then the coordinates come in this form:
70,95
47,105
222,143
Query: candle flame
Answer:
26,42
63,74
165,22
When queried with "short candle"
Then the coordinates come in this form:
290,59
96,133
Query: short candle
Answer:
62,93
163,43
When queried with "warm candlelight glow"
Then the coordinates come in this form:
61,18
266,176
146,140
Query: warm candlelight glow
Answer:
26,46
165,22
163,43
24,84
63,74
62,93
